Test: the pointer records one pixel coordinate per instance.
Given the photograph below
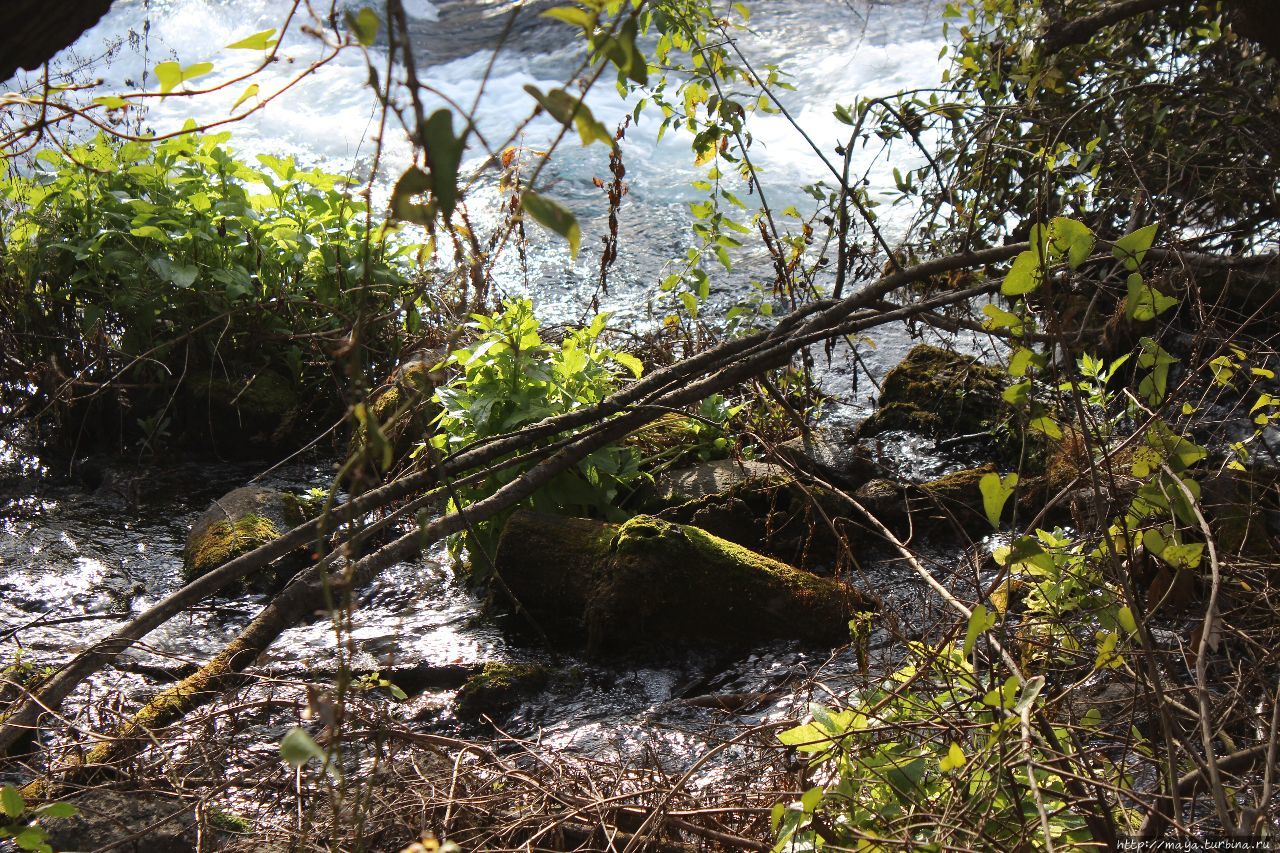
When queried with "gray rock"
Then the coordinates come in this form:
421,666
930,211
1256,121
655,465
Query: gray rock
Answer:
157,823
832,455
713,478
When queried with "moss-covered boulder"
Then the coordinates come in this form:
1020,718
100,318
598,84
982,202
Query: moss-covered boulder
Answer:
237,523
404,410
244,416
938,393
498,688
659,584
801,525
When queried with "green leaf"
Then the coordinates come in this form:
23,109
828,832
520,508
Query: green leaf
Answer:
364,25
1023,276
954,759
1047,426
413,182
12,802
1017,394
565,108
171,75
111,102
57,810
444,154
298,747
809,737
809,799
1132,248
1124,616
630,362
1145,302
998,318
248,93
257,41
690,303
1091,719
556,217
573,16
996,492
980,622
1072,237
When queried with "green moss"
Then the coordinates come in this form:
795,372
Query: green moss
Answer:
224,541
228,822
498,687
402,410
677,582
938,392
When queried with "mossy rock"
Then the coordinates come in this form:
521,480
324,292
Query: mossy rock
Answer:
237,523
776,516
657,584
404,410
246,415
938,393
498,688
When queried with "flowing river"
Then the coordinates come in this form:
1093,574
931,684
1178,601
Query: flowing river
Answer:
83,546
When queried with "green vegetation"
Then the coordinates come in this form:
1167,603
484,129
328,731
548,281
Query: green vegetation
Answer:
172,290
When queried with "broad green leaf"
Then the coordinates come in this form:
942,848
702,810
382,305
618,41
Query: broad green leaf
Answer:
444,155
248,93
1132,248
998,318
565,108
1124,617
1091,719
954,759
553,215
1046,425
806,738
1017,394
413,182
364,25
257,41
809,799
1003,696
1023,276
111,102
12,802
630,362
298,747
1021,361
980,622
1072,237
690,303
573,16
57,810
996,492
171,75
1145,302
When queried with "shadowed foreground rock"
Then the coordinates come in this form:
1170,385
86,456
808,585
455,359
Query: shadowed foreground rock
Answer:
650,582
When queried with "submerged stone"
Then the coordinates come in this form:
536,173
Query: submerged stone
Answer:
498,688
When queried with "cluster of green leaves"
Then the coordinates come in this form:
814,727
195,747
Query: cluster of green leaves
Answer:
510,377
1039,131
891,774
22,824
142,262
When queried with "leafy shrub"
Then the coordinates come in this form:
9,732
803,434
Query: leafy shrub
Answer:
154,265
509,378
